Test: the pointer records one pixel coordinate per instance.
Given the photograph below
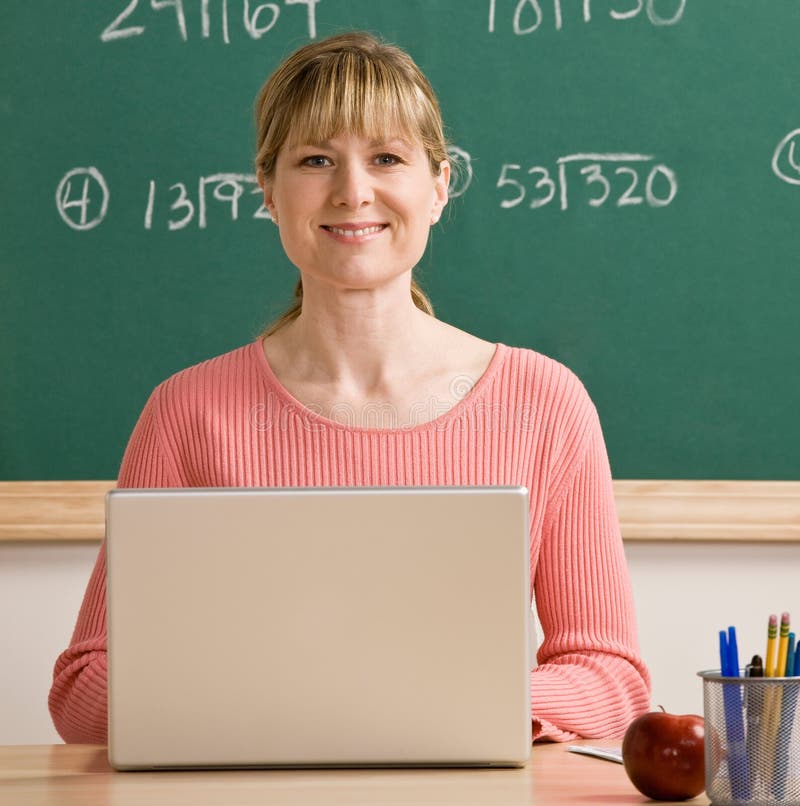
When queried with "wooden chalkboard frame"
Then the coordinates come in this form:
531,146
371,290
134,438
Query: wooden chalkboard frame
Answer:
668,510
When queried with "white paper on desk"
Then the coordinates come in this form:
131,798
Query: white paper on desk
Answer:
607,753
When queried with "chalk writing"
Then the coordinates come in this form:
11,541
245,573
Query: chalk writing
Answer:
528,15
82,204
257,18
605,176
183,207
786,158
461,173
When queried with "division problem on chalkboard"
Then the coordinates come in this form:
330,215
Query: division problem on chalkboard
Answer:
257,18
529,15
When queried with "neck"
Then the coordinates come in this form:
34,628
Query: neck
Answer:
363,341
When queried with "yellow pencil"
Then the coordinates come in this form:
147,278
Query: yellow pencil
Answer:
770,661
774,696
783,646
768,724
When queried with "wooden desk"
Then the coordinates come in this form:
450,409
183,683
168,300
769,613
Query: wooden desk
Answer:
79,775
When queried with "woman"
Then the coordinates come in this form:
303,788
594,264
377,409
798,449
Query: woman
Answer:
352,161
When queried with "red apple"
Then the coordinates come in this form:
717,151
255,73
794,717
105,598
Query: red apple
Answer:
663,755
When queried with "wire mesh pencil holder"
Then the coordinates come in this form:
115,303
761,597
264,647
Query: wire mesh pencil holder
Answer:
752,741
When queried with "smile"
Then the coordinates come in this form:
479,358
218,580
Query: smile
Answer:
356,233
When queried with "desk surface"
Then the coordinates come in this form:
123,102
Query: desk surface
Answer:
79,775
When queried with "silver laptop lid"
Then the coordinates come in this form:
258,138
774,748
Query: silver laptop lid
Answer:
335,626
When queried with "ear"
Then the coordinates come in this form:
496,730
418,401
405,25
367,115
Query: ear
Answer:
267,190
441,184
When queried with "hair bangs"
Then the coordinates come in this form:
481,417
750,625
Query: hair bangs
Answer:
363,97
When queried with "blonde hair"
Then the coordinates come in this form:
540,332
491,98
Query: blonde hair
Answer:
352,83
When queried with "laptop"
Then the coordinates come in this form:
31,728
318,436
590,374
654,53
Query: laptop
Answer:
317,627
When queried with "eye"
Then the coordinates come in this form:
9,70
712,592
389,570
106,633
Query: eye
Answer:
316,161
388,160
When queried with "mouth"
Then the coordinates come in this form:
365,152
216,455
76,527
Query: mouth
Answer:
355,230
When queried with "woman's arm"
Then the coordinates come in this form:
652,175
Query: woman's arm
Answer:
591,680
77,699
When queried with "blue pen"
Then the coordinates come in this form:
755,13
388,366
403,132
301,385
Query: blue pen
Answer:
733,651
723,653
738,766
796,663
790,657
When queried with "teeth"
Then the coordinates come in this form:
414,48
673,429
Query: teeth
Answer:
354,233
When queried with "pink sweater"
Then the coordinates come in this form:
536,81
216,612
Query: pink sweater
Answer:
527,421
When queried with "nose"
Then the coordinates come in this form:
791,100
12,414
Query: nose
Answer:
353,186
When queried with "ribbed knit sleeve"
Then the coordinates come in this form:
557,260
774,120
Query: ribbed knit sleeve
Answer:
78,702
590,681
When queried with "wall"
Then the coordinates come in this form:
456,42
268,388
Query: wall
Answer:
685,592
41,587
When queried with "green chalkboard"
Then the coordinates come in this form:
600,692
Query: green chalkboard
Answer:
631,208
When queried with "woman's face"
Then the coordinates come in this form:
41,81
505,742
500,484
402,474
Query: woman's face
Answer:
354,212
